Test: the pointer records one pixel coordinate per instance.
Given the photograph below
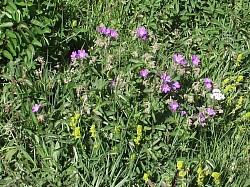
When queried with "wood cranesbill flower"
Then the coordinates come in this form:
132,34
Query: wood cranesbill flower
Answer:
81,54
36,108
165,78
165,88
195,60
142,33
174,106
144,73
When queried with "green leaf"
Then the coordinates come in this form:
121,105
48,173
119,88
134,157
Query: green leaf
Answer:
7,55
7,24
36,22
36,42
11,49
9,154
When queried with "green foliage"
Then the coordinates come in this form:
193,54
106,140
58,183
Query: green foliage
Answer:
88,132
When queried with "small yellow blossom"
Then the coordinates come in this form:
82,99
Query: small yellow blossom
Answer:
74,119
246,116
145,177
92,131
132,157
137,140
239,79
117,129
115,148
77,133
180,165
74,23
229,88
201,176
239,58
226,81
96,145
182,173
216,177
139,130
239,103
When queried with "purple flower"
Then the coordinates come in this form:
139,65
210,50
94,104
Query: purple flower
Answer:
176,85
183,113
165,88
195,60
178,58
144,73
81,54
208,83
142,32
73,56
183,62
210,112
113,33
112,84
201,117
107,31
36,108
102,30
174,106
165,78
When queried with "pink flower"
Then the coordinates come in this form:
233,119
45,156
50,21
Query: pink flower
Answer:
81,54
195,60
210,112
142,33
174,106
73,56
144,73
176,85
165,78
178,58
36,108
165,88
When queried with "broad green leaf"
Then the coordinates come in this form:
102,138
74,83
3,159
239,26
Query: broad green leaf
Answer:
36,42
7,24
9,154
36,22
7,55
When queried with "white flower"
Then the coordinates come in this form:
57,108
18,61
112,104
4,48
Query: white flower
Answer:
216,94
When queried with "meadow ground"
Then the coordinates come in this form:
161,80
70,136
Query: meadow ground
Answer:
125,93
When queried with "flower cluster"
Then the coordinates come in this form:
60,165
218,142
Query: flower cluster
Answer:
179,59
168,85
80,54
139,135
108,32
92,131
73,122
216,176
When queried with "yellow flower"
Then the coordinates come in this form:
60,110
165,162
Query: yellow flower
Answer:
240,102
92,131
239,58
117,129
74,120
74,23
137,140
180,165
226,81
77,133
246,116
216,177
132,157
239,79
96,145
229,88
145,177
182,173
139,130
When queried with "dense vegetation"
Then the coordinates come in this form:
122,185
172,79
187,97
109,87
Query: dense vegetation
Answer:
125,93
